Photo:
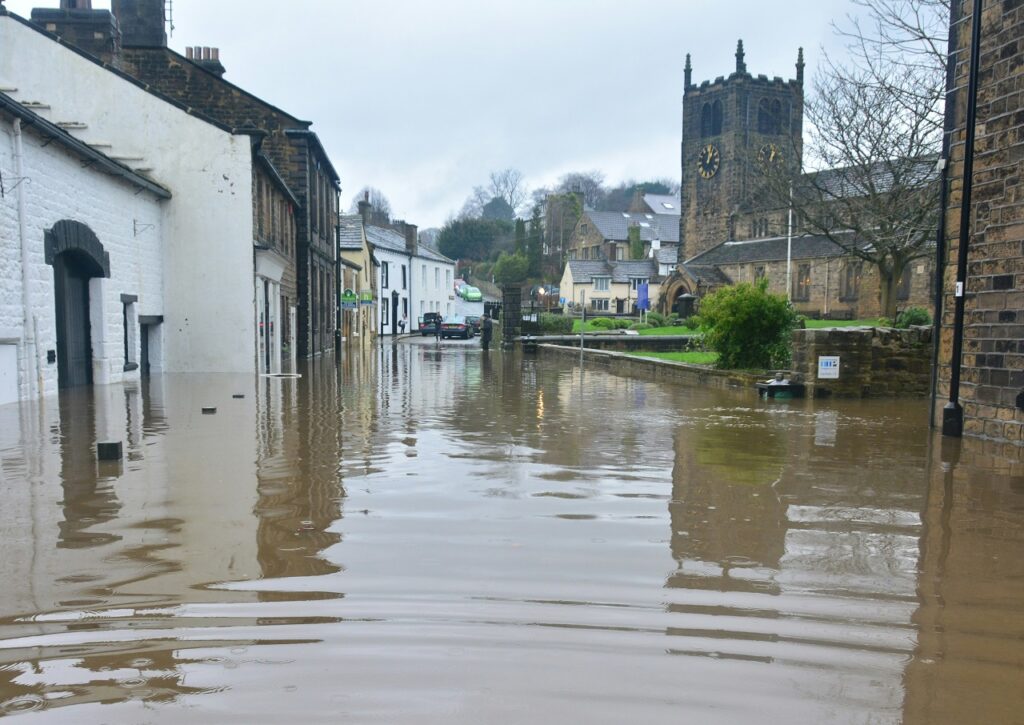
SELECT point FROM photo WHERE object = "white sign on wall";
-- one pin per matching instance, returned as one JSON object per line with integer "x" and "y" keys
{"x": 828, "y": 367}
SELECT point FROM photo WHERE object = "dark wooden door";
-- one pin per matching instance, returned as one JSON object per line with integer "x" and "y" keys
{"x": 144, "y": 358}
{"x": 394, "y": 313}
{"x": 74, "y": 344}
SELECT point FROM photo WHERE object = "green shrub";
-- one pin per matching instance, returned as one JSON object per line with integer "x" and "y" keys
{"x": 747, "y": 326}
{"x": 673, "y": 319}
{"x": 913, "y": 316}
{"x": 511, "y": 268}
{"x": 555, "y": 324}
{"x": 641, "y": 326}
{"x": 621, "y": 324}
{"x": 656, "y": 319}
{"x": 602, "y": 323}
{"x": 692, "y": 322}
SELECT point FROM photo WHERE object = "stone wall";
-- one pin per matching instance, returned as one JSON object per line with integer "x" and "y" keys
{"x": 992, "y": 382}
{"x": 659, "y": 370}
{"x": 647, "y": 343}
{"x": 873, "y": 362}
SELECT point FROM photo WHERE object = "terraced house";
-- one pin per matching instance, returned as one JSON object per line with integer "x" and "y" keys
{"x": 133, "y": 39}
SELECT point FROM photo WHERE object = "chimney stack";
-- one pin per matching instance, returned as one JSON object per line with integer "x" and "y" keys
{"x": 94, "y": 31}
{"x": 143, "y": 22}
{"x": 207, "y": 58}
{"x": 364, "y": 208}
{"x": 411, "y": 238}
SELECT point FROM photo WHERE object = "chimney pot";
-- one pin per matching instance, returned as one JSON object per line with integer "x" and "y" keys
{"x": 216, "y": 53}
{"x": 188, "y": 53}
{"x": 206, "y": 53}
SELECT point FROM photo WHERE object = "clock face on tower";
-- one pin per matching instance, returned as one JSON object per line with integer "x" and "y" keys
{"x": 708, "y": 161}
{"x": 769, "y": 154}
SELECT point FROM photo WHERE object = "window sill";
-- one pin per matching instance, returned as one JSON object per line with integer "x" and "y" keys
{"x": 128, "y": 367}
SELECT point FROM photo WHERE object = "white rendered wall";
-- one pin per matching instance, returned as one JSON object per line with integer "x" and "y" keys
{"x": 394, "y": 260}
{"x": 59, "y": 188}
{"x": 208, "y": 272}
{"x": 435, "y": 297}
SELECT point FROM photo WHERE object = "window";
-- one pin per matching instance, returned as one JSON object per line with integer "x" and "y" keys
{"x": 758, "y": 272}
{"x": 448, "y": 279}
{"x": 384, "y": 316}
{"x": 637, "y": 281}
{"x": 599, "y": 305}
{"x": 584, "y": 229}
{"x": 130, "y": 317}
{"x": 405, "y": 307}
{"x": 903, "y": 285}
{"x": 403, "y": 277}
{"x": 383, "y": 275}
{"x": 601, "y": 284}
{"x": 711, "y": 119}
{"x": 424, "y": 276}
{"x": 448, "y": 310}
{"x": 769, "y": 117}
{"x": 849, "y": 280}
{"x": 802, "y": 283}
{"x": 620, "y": 253}
{"x": 421, "y": 308}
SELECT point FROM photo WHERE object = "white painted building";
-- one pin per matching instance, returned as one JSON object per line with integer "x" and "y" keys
{"x": 208, "y": 310}
{"x": 81, "y": 268}
{"x": 412, "y": 279}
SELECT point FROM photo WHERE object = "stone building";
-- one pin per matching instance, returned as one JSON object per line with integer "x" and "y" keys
{"x": 138, "y": 46}
{"x": 991, "y": 391}
{"x": 731, "y": 228}
{"x": 359, "y": 324}
{"x": 605, "y": 234}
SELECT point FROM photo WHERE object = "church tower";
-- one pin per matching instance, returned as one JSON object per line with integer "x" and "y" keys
{"x": 732, "y": 128}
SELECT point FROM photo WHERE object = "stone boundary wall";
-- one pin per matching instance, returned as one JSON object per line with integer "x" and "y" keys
{"x": 660, "y": 370}
{"x": 873, "y": 361}
{"x": 650, "y": 343}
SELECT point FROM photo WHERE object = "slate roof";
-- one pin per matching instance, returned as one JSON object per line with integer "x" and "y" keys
{"x": 350, "y": 232}
{"x": 852, "y": 181}
{"x": 663, "y": 204}
{"x": 668, "y": 254}
{"x": 389, "y": 239}
{"x": 615, "y": 225}
{"x": 584, "y": 271}
{"x": 772, "y": 249}
{"x": 708, "y": 275}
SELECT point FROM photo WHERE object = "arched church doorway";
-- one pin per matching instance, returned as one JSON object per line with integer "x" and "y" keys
{"x": 76, "y": 256}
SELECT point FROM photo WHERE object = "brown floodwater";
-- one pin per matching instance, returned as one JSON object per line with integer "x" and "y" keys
{"x": 419, "y": 535}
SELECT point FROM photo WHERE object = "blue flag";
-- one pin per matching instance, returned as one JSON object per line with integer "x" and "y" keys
{"x": 643, "y": 302}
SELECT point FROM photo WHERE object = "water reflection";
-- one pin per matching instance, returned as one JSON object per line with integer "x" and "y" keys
{"x": 430, "y": 534}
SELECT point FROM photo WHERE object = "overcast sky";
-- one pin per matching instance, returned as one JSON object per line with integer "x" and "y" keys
{"x": 424, "y": 99}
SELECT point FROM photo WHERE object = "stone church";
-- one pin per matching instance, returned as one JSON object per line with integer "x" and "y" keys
{"x": 730, "y": 229}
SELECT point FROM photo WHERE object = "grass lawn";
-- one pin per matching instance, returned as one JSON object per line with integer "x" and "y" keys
{"x": 818, "y": 324}
{"x": 694, "y": 358}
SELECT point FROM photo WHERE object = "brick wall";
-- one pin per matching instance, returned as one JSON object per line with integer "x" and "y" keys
{"x": 873, "y": 362}
{"x": 992, "y": 380}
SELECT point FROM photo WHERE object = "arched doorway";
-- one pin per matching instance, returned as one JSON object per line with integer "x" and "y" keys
{"x": 76, "y": 256}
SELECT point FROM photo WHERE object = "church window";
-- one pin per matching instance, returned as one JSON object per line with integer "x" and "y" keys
{"x": 776, "y": 117}
{"x": 711, "y": 119}
{"x": 769, "y": 116}
{"x": 802, "y": 283}
{"x": 849, "y": 280}
{"x": 758, "y": 272}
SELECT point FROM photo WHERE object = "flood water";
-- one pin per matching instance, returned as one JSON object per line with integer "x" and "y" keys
{"x": 437, "y": 536}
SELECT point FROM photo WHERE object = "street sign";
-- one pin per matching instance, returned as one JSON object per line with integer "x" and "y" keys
{"x": 828, "y": 367}
{"x": 349, "y": 300}
{"x": 366, "y": 297}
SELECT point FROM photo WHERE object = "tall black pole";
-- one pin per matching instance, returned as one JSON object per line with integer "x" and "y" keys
{"x": 953, "y": 413}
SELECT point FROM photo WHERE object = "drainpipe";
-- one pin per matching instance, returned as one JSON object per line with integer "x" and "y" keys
{"x": 953, "y": 413}
{"x": 940, "y": 246}
{"x": 28, "y": 323}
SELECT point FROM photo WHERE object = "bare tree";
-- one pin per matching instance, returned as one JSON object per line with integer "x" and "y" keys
{"x": 876, "y": 193}
{"x": 508, "y": 184}
{"x": 378, "y": 201}
{"x": 588, "y": 183}
{"x": 474, "y": 205}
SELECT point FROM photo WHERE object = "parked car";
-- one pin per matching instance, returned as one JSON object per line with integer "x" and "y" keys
{"x": 426, "y": 323}
{"x": 456, "y": 326}
{"x": 474, "y": 322}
